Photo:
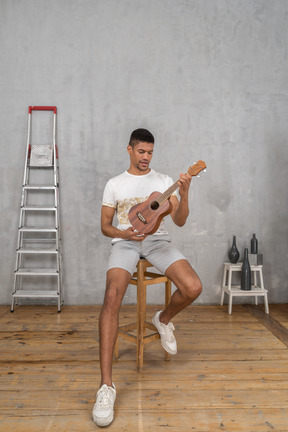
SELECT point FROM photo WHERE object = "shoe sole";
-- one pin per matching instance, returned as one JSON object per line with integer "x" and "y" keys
{"x": 102, "y": 422}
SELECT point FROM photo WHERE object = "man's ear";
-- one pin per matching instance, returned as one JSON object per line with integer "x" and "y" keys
{"x": 129, "y": 149}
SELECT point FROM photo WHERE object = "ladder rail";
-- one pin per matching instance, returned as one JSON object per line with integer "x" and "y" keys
{"x": 55, "y": 153}
{"x": 25, "y": 179}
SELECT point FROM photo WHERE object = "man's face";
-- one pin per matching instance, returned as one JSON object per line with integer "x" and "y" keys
{"x": 140, "y": 156}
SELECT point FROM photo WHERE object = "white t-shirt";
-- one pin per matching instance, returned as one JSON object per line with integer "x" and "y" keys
{"x": 125, "y": 190}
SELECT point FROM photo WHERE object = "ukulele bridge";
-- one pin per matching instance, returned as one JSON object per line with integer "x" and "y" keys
{"x": 141, "y": 218}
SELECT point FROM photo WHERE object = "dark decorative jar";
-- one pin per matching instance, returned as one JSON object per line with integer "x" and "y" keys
{"x": 246, "y": 273}
{"x": 233, "y": 254}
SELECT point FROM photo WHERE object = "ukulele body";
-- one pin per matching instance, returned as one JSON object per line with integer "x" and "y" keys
{"x": 146, "y": 217}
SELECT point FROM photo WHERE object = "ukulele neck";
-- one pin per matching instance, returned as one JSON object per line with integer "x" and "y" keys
{"x": 167, "y": 193}
{"x": 192, "y": 171}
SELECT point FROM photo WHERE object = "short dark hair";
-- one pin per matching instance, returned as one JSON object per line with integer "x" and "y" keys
{"x": 142, "y": 135}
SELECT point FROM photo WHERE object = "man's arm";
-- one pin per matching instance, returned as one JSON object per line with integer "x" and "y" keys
{"x": 180, "y": 210}
{"x": 107, "y": 228}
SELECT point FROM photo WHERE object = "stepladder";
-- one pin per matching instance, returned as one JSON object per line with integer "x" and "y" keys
{"x": 38, "y": 262}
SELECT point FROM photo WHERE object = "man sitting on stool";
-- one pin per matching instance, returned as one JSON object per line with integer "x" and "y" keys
{"x": 120, "y": 194}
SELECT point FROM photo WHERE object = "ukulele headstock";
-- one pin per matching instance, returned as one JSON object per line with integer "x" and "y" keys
{"x": 195, "y": 169}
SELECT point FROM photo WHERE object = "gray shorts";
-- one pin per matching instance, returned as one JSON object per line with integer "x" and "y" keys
{"x": 157, "y": 250}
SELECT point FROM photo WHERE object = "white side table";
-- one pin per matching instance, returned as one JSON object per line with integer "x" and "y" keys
{"x": 235, "y": 290}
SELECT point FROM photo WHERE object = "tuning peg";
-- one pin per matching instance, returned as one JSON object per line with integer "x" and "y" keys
{"x": 198, "y": 175}
{"x": 204, "y": 170}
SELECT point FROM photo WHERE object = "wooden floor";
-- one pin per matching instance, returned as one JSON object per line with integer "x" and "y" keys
{"x": 231, "y": 372}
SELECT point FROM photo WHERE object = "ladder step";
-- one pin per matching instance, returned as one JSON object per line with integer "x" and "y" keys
{"x": 37, "y": 272}
{"x": 37, "y": 251}
{"x": 38, "y": 167}
{"x": 38, "y": 208}
{"x": 36, "y": 294}
{"x": 39, "y": 241}
{"x": 37, "y": 229}
{"x": 39, "y": 187}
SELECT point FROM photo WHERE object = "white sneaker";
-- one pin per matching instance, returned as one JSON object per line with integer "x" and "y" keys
{"x": 168, "y": 340}
{"x": 103, "y": 410}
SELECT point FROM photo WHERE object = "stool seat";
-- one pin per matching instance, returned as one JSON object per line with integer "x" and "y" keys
{"x": 143, "y": 278}
{"x": 235, "y": 290}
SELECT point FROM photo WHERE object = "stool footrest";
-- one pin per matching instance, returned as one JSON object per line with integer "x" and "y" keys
{"x": 150, "y": 326}
{"x": 128, "y": 327}
{"x": 154, "y": 278}
{"x": 255, "y": 290}
{"x": 124, "y": 333}
{"x": 154, "y": 275}
{"x": 128, "y": 336}
{"x": 150, "y": 338}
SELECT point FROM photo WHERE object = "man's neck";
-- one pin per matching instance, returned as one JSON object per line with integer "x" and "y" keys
{"x": 134, "y": 171}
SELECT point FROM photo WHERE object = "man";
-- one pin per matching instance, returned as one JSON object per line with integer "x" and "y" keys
{"x": 120, "y": 194}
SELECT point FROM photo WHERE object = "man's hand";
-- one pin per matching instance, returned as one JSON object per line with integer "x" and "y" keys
{"x": 180, "y": 210}
{"x": 131, "y": 234}
{"x": 184, "y": 184}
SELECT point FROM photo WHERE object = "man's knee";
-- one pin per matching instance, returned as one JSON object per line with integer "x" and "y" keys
{"x": 197, "y": 287}
{"x": 185, "y": 279}
{"x": 114, "y": 294}
{"x": 193, "y": 288}
{"x": 111, "y": 296}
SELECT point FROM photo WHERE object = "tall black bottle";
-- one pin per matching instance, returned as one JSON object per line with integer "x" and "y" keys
{"x": 246, "y": 273}
{"x": 233, "y": 254}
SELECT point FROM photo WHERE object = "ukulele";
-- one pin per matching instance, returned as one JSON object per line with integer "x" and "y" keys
{"x": 147, "y": 216}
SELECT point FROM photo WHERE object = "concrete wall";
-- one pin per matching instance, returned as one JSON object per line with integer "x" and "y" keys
{"x": 208, "y": 77}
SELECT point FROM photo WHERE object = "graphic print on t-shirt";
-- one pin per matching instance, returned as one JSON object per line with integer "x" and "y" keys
{"x": 123, "y": 207}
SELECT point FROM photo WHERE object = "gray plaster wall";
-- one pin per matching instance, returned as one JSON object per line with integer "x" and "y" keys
{"x": 209, "y": 78}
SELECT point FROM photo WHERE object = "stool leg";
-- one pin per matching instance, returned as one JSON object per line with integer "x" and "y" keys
{"x": 230, "y": 304}
{"x": 255, "y": 284}
{"x": 223, "y": 285}
{"x": 116, "y": 349}
{"x": 229, "y": 289}
{"x": 167, "y": 292}
{"x": 265, "y": 295}
{"x": 266, "y": 304}
{"x": 167, "y": 301}
{"x": 141, "y": 314}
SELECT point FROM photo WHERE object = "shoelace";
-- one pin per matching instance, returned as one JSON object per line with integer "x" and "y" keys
{"x": 170, "y": 328}
{"x": 104, "y": 397}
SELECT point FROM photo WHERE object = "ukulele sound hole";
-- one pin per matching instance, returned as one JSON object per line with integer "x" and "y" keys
{"x": 154, "y": 205}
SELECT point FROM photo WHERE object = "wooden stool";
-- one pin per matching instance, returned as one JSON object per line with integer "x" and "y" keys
{"x": 235, "y": 290}
{"x": 141, "y": 279}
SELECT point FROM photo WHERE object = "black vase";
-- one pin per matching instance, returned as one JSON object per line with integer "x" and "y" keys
{"x": 233, "y": 254}
{"x": 246, "y": 273}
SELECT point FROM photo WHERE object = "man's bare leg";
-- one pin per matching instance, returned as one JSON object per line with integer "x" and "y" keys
{"x": 188, "y": 286}
{"x": 116, "y": 285}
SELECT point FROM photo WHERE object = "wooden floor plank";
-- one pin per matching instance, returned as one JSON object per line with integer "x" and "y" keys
{"x": 153, "y": 399}
{"x": 227, "y": 420}
{"x": 274, "y": 326}
{"x": 230, "y": 373}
